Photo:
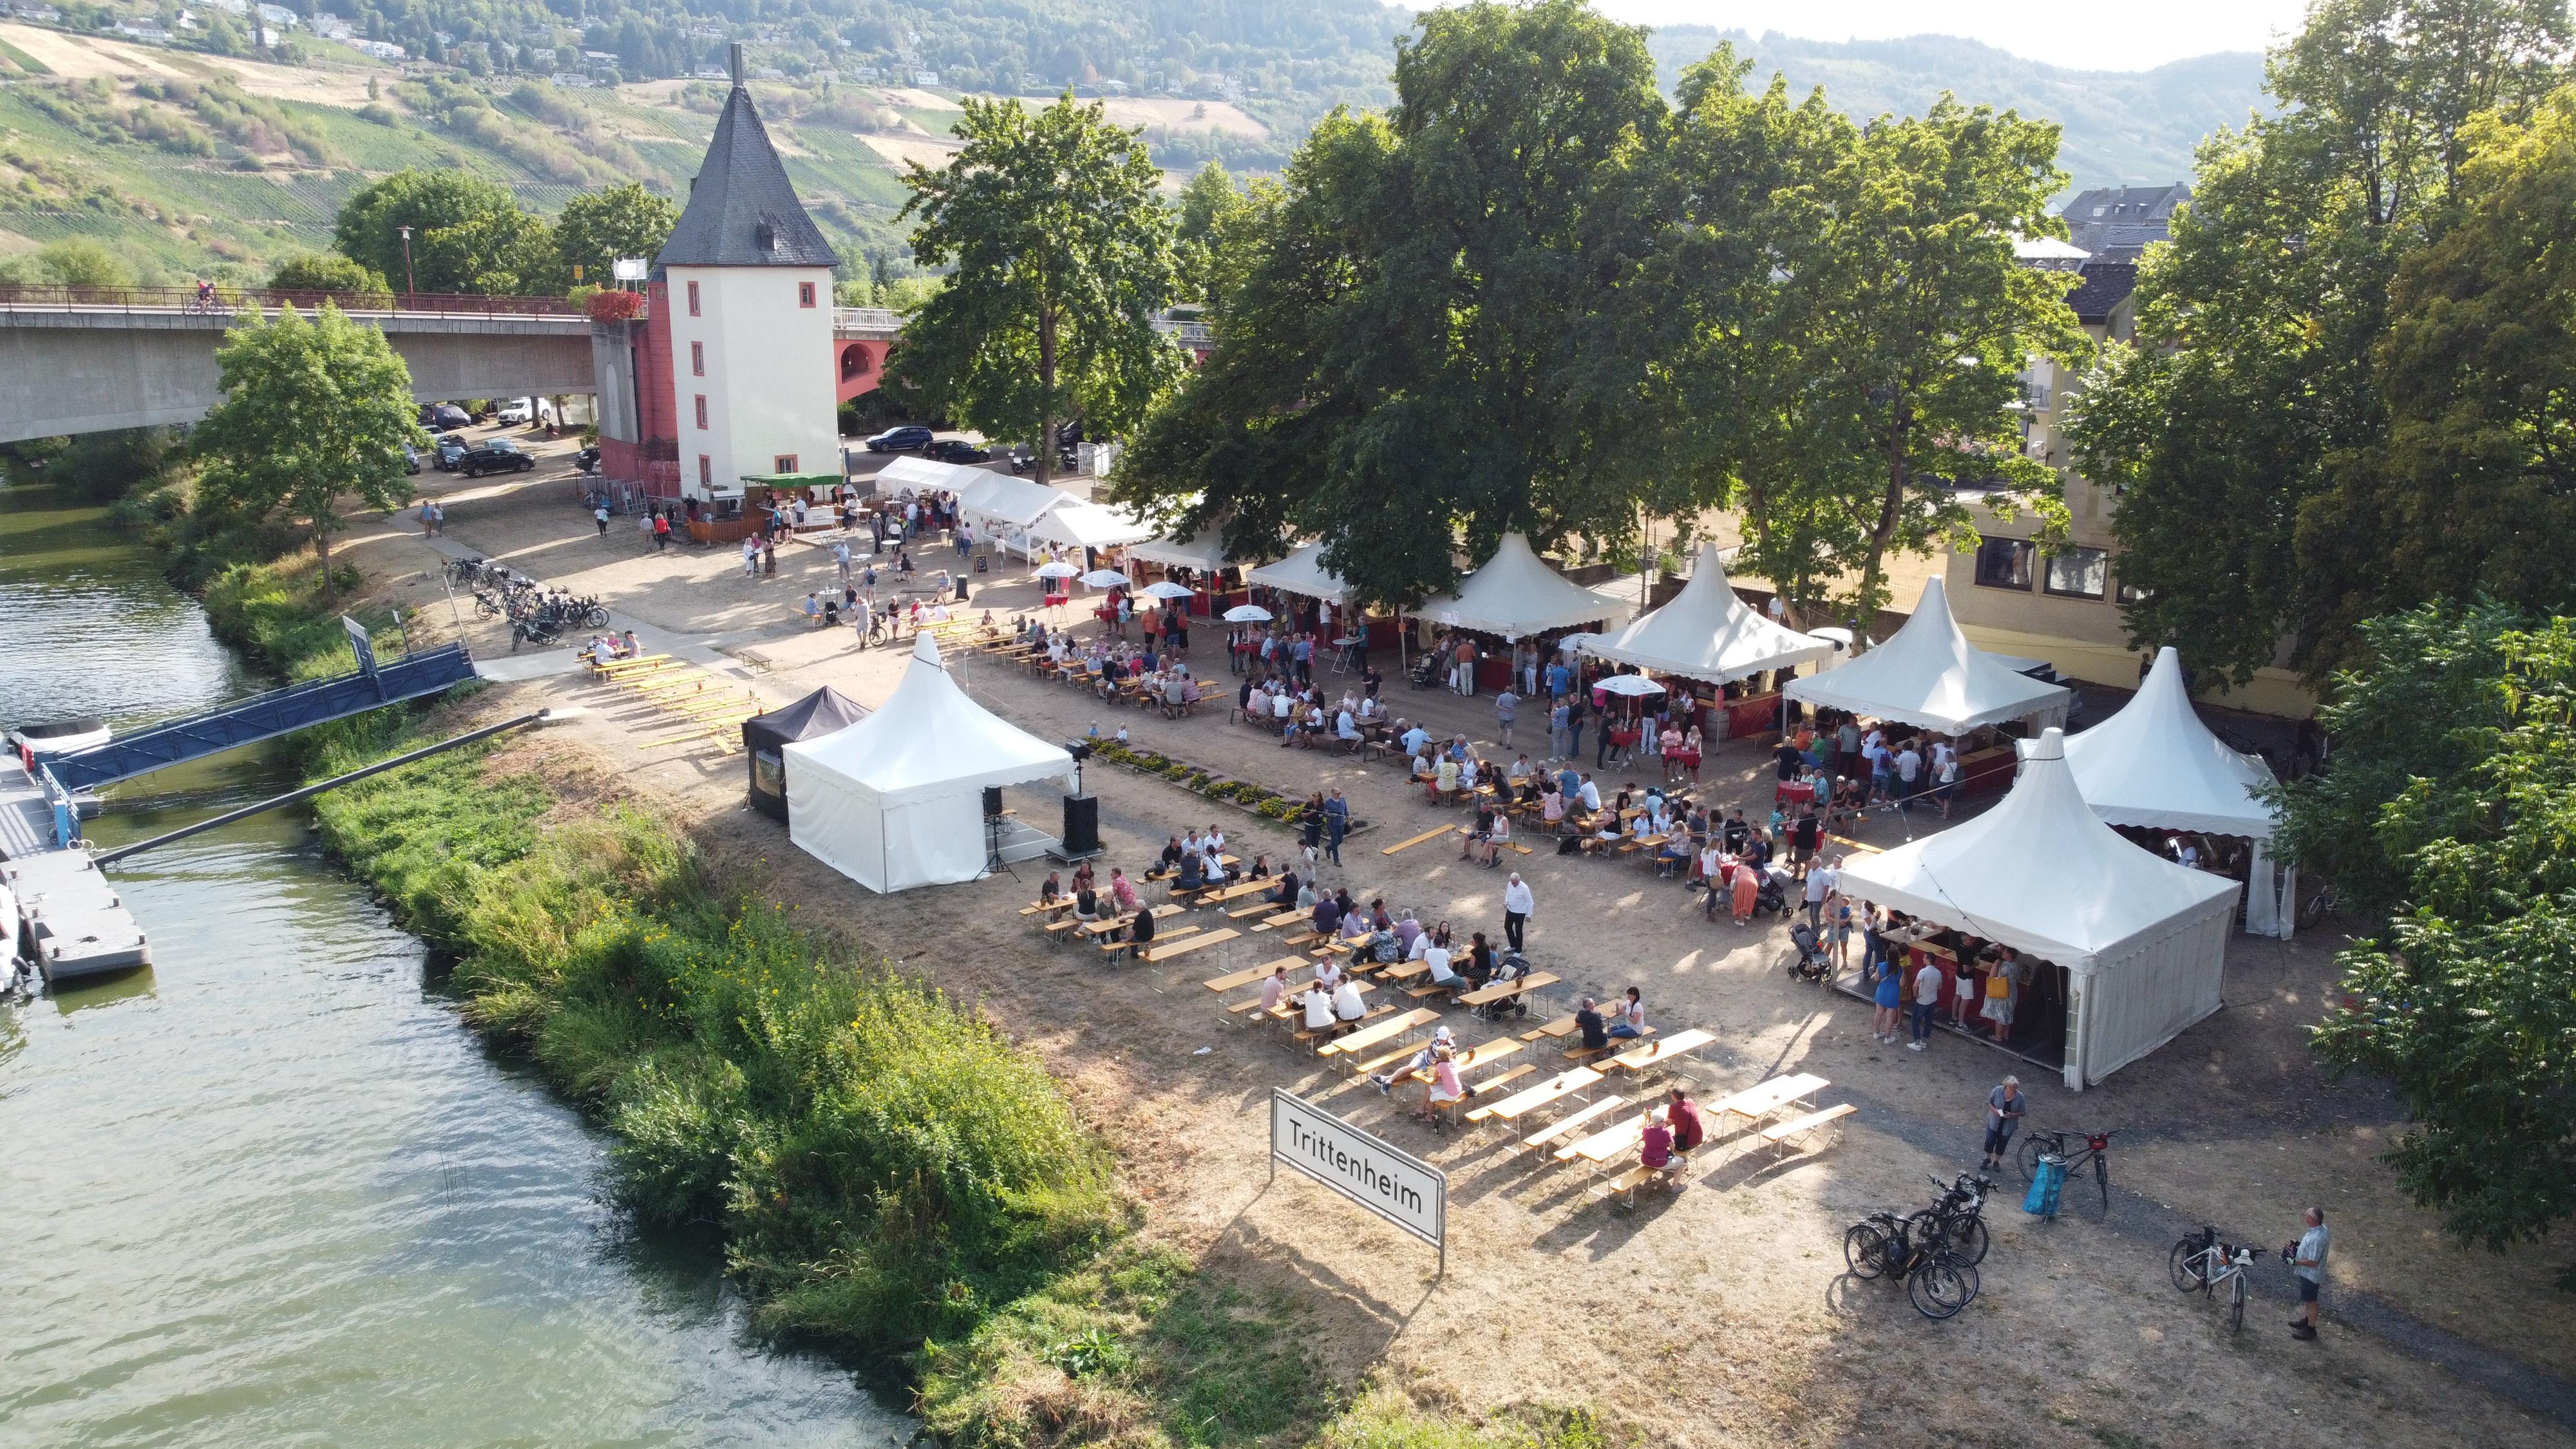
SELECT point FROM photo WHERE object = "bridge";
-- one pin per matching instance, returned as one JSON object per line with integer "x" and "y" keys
{"x": 84, "y": 359}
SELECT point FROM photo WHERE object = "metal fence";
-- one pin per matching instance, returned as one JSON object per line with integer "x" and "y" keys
{"x": 36, "y": 296}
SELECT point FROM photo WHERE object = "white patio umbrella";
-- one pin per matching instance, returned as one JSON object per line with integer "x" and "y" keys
{"x": 1104, "y": 578}
{"x": 1166, "y": 589}
{"x": 1057, "y": 571}
{"x": 1629, "y": 684}
{"x": 1247, "y": 614}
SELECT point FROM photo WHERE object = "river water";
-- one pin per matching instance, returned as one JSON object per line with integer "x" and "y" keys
{"x": 270, "y": 1191}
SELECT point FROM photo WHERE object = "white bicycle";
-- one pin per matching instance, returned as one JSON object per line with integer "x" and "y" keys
{"x": 2200, "y": 1262}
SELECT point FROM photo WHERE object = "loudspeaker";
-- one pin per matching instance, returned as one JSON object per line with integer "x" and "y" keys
{"x": 1081, "y": 825}
{"x": 992, "y": 802}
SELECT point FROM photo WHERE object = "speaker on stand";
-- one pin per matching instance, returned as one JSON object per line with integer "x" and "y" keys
{"x": 993, "y": 823}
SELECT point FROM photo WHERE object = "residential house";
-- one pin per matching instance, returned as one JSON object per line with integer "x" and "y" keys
{"x": 2115, "y": 223}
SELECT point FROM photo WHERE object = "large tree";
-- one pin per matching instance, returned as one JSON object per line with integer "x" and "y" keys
{"x": 2471, "y": 484}
{"x": 596, "y": 228}
{"x": 2259, "y": 325}
{"x": 314, "y": 412}
{"x": 2444, "y": 818}
{"x": 467, "y": 234}
{"x": 1424, "y": 339}
{"x": 1063, "y": 257}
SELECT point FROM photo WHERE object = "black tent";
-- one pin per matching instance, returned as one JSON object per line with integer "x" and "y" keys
{"x": 817, "y": 714}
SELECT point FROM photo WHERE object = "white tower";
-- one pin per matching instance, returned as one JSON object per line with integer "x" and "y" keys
{"x": 749, "y": 281}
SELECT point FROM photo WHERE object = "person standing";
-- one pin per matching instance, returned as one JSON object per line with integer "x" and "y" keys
{"x": 661, "y": 532}
{"x": 1506, "y": 711}
{"x": 2308, "y": 1264}
{"x": 1518, "y": 902}
{"x": 1883, "y": 996}
{"x": 750, "y": 556}
{"x": 1574, "y": 716}
{"x": 1557, "y": 714}
{"x": 601, "y": 514}
{"x": 2004, "y": 1108}
{"x": 1927, "y": 999}
{"x": 1822, "y": 881}
{"x": 1337, "y": 823}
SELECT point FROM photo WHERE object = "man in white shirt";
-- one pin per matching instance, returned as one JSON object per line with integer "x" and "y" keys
{"x": 1517, "y": 905}
{"x": 1821, "y": 883}
{"x": 1590, "y": 795}
{"x": 1347, "y": 1005}
{"x": 1927, "y": 999}
{"x": 1319, "y": 1008}
{"x": 1909, "y": 768}
{"x": 1346, "y": 729}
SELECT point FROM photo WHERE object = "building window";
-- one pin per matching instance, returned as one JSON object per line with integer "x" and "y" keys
{"x": 693, "y": 299}
{"x": 2004, "y": 563}
{"x": 2079, "y": 573}
{"x": 2132, "y": 594}
{"x": 804, "y": 294}
{"x": 702, "y": 427}
{"x": 706, "y": 471}
{"x": 698, "y": 358}
{"x": 783, "y": 463}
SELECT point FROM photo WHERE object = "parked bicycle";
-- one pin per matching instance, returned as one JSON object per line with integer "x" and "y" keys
{"x": 2316, "y": 908}
{"x": 1912, "y": 1247}
{"x": 2200, "y": 1262}
{"x": 2095, "y": 1148}
{"x": 1958, "y": 1216}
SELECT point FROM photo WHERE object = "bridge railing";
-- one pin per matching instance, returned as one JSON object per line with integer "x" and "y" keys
{"x": 43, "y": 296}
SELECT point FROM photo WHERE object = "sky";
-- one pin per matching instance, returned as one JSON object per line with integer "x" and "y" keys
{"x": 2083, "y": 37}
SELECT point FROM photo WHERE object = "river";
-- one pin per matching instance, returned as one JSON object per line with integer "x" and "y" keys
{"x": 270, "y": 1191}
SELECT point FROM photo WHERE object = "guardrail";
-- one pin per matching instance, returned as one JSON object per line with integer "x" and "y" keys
{"x": 52, "y": 297}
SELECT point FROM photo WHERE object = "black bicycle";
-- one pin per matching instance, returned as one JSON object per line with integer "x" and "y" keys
{"x": 1913, "y": 1248}
{"x": 2076, "y": 1148}
{"x": 1958, "y": 1219}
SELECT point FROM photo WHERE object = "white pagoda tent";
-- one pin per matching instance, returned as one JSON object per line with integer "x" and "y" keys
{"x": 925, "y": 475}
{"x": 1515, "y": 594}
{"x": 1301, "y": 573}
{"x": 896, "y": 800}
{"x": 1930, "y": 675}
{"x": 1203, "y": 551}
{"x": 1090, "y": 525}
{"x": 2143, "y": 940}
{"x": 2155, "y": 765}
{"x": 1707, "y": 633}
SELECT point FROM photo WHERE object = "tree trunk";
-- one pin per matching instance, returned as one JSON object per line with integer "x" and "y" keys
{"x": 1891, "y": 508}
{"x": 1046, "y": 386}
{"x": 322, "y": 546}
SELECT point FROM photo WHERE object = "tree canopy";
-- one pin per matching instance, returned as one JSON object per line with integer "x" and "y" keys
{"x": 596, "y": 228}
{"x": 467, "y": 234}
{"x": 2242, "y": 429}
{"x": 327, "y": 272}
{"x": 1063, "y": 257}
{"x": 314, "y": 411}
{"x": 2444, "y": 819}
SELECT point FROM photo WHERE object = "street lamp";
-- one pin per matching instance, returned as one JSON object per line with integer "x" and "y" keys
{"x": 411, "y": 288}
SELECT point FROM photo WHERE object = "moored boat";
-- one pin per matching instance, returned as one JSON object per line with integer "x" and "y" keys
{"x": 60, "y": 737}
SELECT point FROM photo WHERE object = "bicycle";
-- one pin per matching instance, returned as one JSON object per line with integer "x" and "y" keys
{"x": 2319, "y": 906}
{"x": 1936, "y": 1281}
{"x": 2200, "y": 1262}
{"x": 2096, "y": 1149}
{"x": 1959, "y": 1216}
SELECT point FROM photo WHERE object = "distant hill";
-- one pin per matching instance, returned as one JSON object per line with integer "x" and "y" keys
{"x": 2122, "y": 127}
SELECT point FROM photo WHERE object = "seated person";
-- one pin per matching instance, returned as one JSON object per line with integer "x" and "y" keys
{"x": 1329, "y": 972}
{"x": 1632, "y": 1018}
{"x": 1212, "y": 868}
{"x": 1407, "y": 931}
{"x": 1318, "y": 1002}
{"x": 1346, "y": 728}
{"x": 1193, "y": 873}
{"x": 1495, "y": 839}
{"x": 1347, "y": 1005}
{"x": 1656, "y": 1150}
{"x": 1436, "y": 957}
{"x": 1444, "y": 1086}
{"x": 1415, "y": 739}
{"x": 1086, "y": 904}
{"x": 1140, "y": 929}
{"x": 1328, "y": 916}
{"x": 1481, "y": 961}
{"x": 1260, "y": 868}
{"x": 1286, "y": 895}
{"x": 1587, "y": 1022}
{"x": 1440, "y": 1038}
{"x": 1444, "y": 777}
{"x": 1356, "y": 927}
{"x": 1122, "y": 891}
{"x": 1053, "y": 888}
{"x": 1551, "y": 808}
{"x": 1682, "y": 1115}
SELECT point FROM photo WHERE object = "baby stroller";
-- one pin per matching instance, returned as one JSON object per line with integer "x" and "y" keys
{"x": 1426, "y": 671}
{"x": 1770, "y": 897}
{"x": 1812, "y": 964}
{"x": 1508, "y": 967}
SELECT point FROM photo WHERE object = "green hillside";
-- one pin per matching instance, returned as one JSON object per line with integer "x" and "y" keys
{"x": 2132, "y": 127}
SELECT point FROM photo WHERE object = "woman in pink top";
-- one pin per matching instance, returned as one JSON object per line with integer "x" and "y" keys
{"x": 1444, "y": 1085}
{"x": 1657, "y": 1152}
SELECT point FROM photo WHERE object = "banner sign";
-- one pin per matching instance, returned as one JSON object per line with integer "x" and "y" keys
{"x": 1396, "y": 1185}
{"x": 359, "y": 643}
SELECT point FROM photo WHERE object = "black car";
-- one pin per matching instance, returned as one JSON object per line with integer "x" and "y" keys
{"x": 451, "y": 449}
{"x": 900, "y": 440}
{"x": 957, "y": 450}
{"x": 587, "y": 460}
{"x": 496, "y": 455}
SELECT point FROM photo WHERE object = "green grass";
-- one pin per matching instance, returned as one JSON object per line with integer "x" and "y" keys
{"x": 23, "y": 61}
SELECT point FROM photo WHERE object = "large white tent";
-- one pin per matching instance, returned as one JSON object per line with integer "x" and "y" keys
{"x": 2144, "y": 940}
{"x": 1203, "y": 550}
{"x": 2157, "y": 766}
{"x": 1302, "y": 573}
{"x": 1090, "y": 525}
{"x": 1004, "y": 508}
{"x": 925, "y": 475}
{"x": 1707, "y": 633}
{"x": 896, "y": 800}
{"x": 1514, "y": 594}
{"x": 1930, "y": 675}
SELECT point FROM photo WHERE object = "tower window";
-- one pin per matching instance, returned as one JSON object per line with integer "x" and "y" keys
{"x": 782, "y": 463}
{"x": 693, "y": 299}
{"x": 804, "y": 294}
{"x": 702, "y": 412}
{"x": 698, "y": 358}
{"x": 706, "y": 471}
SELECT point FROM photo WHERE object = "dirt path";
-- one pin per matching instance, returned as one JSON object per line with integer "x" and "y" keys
{"x": 1719, "y": 1313}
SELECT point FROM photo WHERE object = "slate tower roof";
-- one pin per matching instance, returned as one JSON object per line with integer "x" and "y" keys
{"x": 742, "y": 209}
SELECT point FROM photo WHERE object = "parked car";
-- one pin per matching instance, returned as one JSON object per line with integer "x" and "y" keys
{"x": 441, "y": 417}
{"x": 494, "y": 455}
{"x": 900, "y": 440}
{"x": 516, "y": 414}
{"x": 956, "y": 450}
{"x": 451, "y": 449}
{"x": 411, "y": 459}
